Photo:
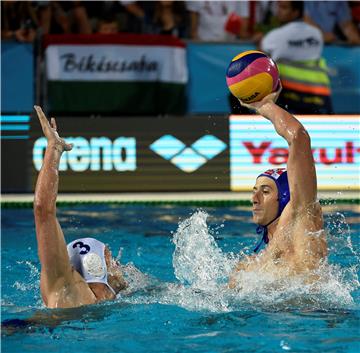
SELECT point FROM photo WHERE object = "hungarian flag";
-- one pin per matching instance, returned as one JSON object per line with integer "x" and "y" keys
{"x": 125, "y": 74}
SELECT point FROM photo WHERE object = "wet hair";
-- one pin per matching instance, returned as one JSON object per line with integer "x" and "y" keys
{"x": 298, "y": 6}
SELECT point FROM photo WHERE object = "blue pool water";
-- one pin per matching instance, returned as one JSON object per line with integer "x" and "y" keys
{"x": 177, "y": 259}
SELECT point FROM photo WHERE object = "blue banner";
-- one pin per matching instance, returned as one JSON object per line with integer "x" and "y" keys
{"x": 343, "y": 63}
{"x": 208, "y": 93}
{"x": 17, "y": 78}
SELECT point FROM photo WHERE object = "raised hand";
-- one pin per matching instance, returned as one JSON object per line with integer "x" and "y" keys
{"x": 272, "y": 97}
{"x": 50, "y": 131}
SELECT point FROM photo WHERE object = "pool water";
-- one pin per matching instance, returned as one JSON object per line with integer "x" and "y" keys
{"x": 177, "y": 260}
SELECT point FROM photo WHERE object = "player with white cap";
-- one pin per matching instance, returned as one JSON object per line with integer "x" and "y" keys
{"x": 83, "y": 272}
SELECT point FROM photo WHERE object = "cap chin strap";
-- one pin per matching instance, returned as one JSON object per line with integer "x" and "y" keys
{"x": 264, "y": 230}
{"x": 111, "y": 289}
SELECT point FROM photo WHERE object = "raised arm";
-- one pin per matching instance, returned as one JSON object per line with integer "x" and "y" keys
{"x": 300, "y": 165}
{"x": 55, "y": 265}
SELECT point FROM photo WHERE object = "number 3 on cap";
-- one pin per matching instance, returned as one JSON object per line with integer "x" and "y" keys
{"x": 85, "y": 248}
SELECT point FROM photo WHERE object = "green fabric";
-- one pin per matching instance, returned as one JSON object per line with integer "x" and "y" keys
{"x": 311, "y": 74}
{"x": 129, "y": 98}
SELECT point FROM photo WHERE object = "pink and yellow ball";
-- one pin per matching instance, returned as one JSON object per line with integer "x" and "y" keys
{"x": 251, "y": 76}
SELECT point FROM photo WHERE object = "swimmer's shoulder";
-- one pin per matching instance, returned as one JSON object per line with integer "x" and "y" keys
{"x": 70, "y": 292}
{"x": 310, "y": 213}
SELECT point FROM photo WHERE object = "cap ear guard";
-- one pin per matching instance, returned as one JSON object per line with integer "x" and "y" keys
{"x": 280, "y": 178}
{"x": 283, "y": 190}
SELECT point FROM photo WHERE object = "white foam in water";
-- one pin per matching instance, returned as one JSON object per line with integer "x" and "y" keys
{"x": 34, "y": 280}
{"x": 135, "y": 279}
{"x": 203, "y": 270}
{"x": 200, "y": 266}
{"x": 32, "y": 284}
{"x": 339, "y": 234}
{"x": 197, "y": 259}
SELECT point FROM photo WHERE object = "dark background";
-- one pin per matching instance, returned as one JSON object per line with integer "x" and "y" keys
{"x": 153, "y": 173}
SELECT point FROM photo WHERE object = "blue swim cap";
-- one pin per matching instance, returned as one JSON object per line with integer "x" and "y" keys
{"x": 280, "y": 177}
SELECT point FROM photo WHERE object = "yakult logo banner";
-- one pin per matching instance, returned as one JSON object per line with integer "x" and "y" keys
{"x": 255, "y": 147}
{"x": 116, "y": 74}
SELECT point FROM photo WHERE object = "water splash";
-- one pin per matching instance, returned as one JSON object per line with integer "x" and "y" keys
{"x": 339, "y": 234}
{"x": 135, "y": 279}
{"x": 203, "y": 270}
{"x": 30, "y": 285}
{"x": 33, "y": 280}
{"x": 197, "y": 259}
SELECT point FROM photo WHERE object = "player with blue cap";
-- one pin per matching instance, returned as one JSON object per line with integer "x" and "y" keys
{"x": 279, "y": 176}
{"x": 285, "y": 205}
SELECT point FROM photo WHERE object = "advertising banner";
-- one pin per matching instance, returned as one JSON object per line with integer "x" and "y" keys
{"x": 139, "y": 154}
{"x": 15, "y": 169}
{"x": 255, "y": 147}
{"x": 17, "y": 77}
{"x": 123, "y": 74}
{"x": 175, "y": 154}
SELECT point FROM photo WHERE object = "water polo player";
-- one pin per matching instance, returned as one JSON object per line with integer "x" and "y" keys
{"x": 83, "y": 272}
{"x": 285, "y": 205}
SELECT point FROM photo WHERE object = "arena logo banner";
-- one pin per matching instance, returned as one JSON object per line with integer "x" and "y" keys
{"x": 191, "y": 158}
{"x": 140, "y": 154}
{"x": 122, "y": 74}
{"x": 95, "y": 154}
{"x": 255, "y": 147}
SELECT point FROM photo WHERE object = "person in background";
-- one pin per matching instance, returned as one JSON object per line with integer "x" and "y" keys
{"x": 262, "y": 19}
{"x": 334, "y": 20}
{"x": 139, "y": 16}
{"x": 218, "y": 20}
{"x": 107, "y": 24}
{"x": 80, "y": 19}
{"x": 170, "y": 18}
{"x": 58, "y": 17}
{"x": 355, "y": 13}
{"x": 19, "y": 21}
{"x": 82, "y": 272}
{"x": 296, "y": 47}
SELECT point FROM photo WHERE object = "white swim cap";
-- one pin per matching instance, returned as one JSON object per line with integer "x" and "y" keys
{"x": 93, "y": 265}
{"x": 87, "y": 255}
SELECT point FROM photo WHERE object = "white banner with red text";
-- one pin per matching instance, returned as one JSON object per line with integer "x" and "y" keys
{"x": 255, "y": 147}
{"x": 116, "y": 74}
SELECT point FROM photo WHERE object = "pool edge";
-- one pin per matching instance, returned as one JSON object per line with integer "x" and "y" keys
{"x": 179, "y": 198}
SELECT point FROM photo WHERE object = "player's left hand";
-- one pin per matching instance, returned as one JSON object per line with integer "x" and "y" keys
{"x": 50, "y": 131}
